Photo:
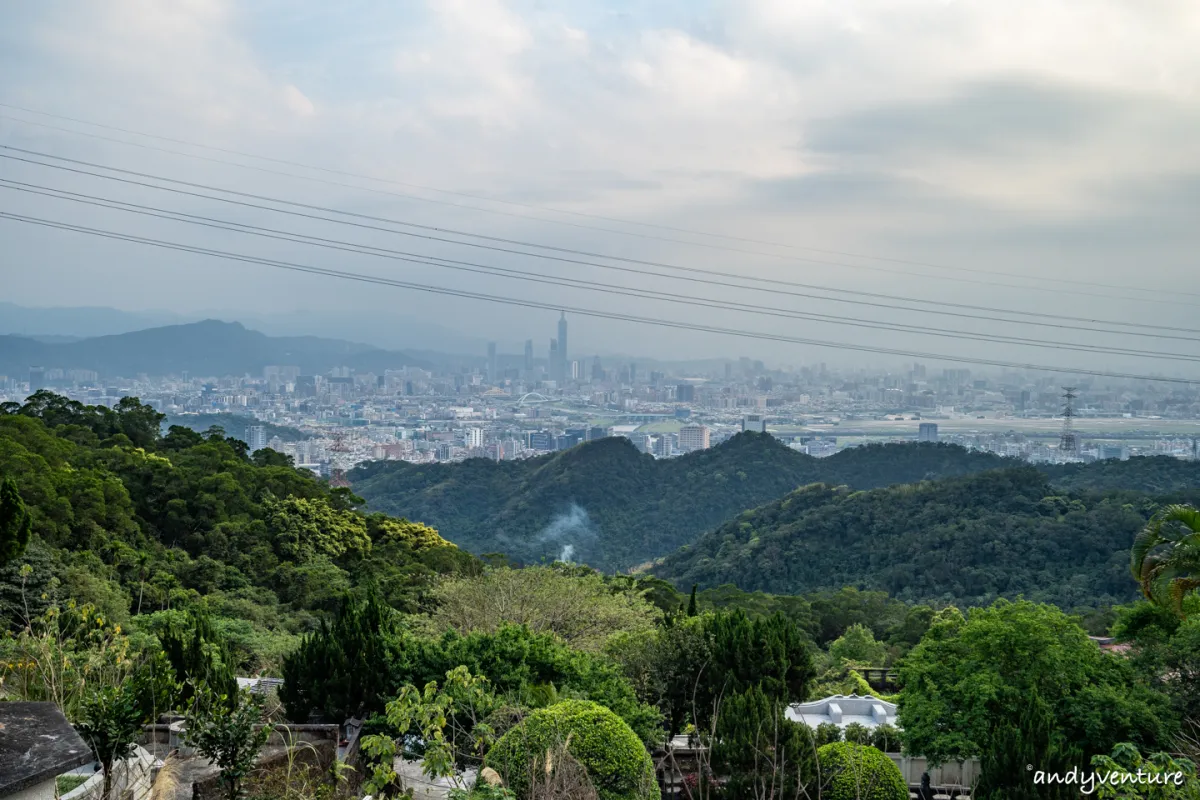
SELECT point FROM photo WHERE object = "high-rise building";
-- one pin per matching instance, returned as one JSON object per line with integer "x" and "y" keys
{"x": 493, "y": 372}
{"x": 632, "y": 374}
{"x": 597, "y": 370}
{"x": 662, "y": 446}
{"x": 474, "y": 437}
{"x": 693, "y": 437}
{"x": 37, "y": 379}
{"x": 556, "y": 367}
{"x": 685, "y": 393}
{"x": 754, "y": 422}
{"x": 927, "y": 432}
{"x": 563, "y": 352}
{"x": 256, "y": 437}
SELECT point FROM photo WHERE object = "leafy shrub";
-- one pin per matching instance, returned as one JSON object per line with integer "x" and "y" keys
{"x": 886, "y": 738}
{"x": 827, "y": 733}
{"x": 857, "y": 733}
{"x": 856, "y": 772}
{"x": 616, "y": 762}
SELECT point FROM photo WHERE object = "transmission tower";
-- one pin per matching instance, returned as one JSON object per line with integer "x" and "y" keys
{"x": 1068, "y": 444}
{"x": 337, "y": 464}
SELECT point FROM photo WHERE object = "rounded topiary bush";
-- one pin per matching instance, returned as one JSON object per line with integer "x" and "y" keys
{"x": 859, "y": 772}
{"x": 616, "y": 762}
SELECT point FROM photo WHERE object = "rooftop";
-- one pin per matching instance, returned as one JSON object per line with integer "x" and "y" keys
{"x": 841, "y": 710}
{"x": 36, "y": 745}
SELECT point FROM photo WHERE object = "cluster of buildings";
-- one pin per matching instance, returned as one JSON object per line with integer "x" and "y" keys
{"x": 505, "y": 406}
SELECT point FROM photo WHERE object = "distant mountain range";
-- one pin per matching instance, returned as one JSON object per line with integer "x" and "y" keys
{"x": 208, "y": 348}
{"x": 383, "y": 331}
{"x": 606, "y": 504}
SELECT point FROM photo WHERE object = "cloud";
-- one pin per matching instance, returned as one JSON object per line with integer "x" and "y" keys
{"x": 910, "y": 128}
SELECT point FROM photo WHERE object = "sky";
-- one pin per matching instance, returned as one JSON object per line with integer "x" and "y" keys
{"x": 1033, "y": 155}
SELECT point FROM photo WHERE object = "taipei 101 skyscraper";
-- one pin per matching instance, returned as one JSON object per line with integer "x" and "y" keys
{"x": 564, "y": 361}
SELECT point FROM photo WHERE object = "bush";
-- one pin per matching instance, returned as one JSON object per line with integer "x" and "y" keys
{"x": 827, "y": 733}
{"x": 616, "y": 762}
{"x": 886, "y": 738}
{"x": 855, "y": 772}
{"x": 857, "y": 733}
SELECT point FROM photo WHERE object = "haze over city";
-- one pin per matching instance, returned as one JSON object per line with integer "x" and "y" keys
{"x": 1029, "y": 157}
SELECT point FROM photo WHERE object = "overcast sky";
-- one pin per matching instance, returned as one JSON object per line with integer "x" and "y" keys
{"x": 1042, "y": 139}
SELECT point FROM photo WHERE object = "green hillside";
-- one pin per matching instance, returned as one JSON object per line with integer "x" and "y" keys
{"x": 135, "y": 521}
{"x": 616, "y": 507}
{"x": 964, "y": 540}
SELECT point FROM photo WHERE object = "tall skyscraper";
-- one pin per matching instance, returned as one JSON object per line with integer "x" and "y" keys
{"x": 927, "y": 432}
{"x": 556, "y": 366}
{"x": 563, "y": 352}
{"x": 256, "y": 437}
{"x": 37, "y": 379}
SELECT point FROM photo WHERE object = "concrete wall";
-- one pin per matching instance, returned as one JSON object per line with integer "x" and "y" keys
{"x": 43, "y": 791}
{"x": 953, "y": 774}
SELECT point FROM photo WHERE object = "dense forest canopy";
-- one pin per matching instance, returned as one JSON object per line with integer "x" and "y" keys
{"x": 964, "y": 540}
{"x": 617, "y": 508}
{"x": 130, "y": 519}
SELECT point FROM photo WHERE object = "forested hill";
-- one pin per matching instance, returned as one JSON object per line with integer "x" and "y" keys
{"x": 130, "y": 519}
{"x": 616, "y": 507}
{"x": 235, "y": 426}
{"x": 965, "y": 540}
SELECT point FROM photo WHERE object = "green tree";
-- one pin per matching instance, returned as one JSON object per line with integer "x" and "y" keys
{"x": 1016, "y": 680}
{"x": 110, "y": 721}
{"x": 228, "y": 731}
{"x": 858, "y": 646}
{"x": 581, "y": 609}
{"x": 347, "y": 667}
{"x": 200, "y": 658}
{"x": 16, "y": 523}
{"x": 691, "y": 609}
{"x": 1159, "y": 776}
{"x": 759, "y": 752}
{"x": 1165, "y": 558}
{"x": 770, "y": 653}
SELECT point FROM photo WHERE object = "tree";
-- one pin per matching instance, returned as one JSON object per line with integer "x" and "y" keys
{"x": 227, "y": 730}
{"x": 1159, "y": 776}
{"x": 1165, "y": 558}
{"x": 200, "y": 657}
{"x": 1015, "y": 680}
{"x": 16, "y": 524}
{"x": 858, "y": 646}
{"x": 346, "y": 667}
{"x": 582, "y": 610}
{"x": 770, "y": 653}
{"x": 759, "y": 752}
{"x": 110, "y": 722}
{"x": 691, "y": 609}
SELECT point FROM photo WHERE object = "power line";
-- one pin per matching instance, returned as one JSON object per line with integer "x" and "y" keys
{"x": 429, "y": 237}
{"x": 558, "y": 307}
{"x": 742, "y": 251}
{"x": 418, "y": 258}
